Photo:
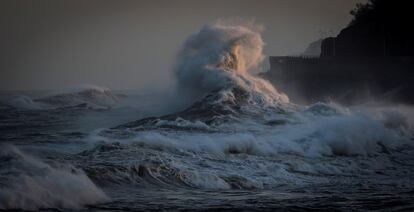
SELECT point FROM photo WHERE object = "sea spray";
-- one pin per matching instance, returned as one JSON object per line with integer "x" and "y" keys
{"x": 222, "y": 56}
{"x": 30, "y": 184}
{"x": 82, "y": 96}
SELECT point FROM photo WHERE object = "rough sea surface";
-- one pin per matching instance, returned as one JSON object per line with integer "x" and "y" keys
{"x": 89, "y": 159}
{"x": 235, "y": 143}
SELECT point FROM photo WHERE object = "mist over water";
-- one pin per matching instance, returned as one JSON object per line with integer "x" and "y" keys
{"x": 239, "y": 140}
{"x": 223, "y": 56}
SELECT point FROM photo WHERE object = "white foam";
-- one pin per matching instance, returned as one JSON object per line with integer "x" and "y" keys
{"x": 30, "y": 184}
{"x": 222, "y": 56}
{"x": 23, "y": 103}
{"x": 94, "y": 97}
{"x": 270, "y": 134}
{"x": 313, "y": 136}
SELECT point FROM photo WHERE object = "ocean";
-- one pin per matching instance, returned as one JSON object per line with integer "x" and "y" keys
{"x": 223, "y": 140}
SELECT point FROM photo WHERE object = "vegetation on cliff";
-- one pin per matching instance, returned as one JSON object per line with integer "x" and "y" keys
{"x": 379, "y": 28}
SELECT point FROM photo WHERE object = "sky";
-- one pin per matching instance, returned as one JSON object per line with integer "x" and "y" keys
{"x": 54, "y": 44}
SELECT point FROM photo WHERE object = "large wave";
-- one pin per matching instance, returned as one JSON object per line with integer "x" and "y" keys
{"x": 218, "y": 63}
{"x": 86, "y": 95}
{"x": 22, "y": 102}
{"x": 215, "y": 70}
{"x": 82, "y": 96}
{"x": 238, "y": 133}
{"x": 222, "y": 58}
{"x": 30, "y": 184}
{"x": 244, "y": 124}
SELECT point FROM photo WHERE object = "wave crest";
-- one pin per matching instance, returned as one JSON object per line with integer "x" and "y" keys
{"x": 224, "y": 57}
{"x": 30, "y": 184}
{"x": 88, "y": 96}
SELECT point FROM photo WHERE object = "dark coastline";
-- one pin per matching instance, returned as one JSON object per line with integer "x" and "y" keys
{"x": 347, "y": 80}
{"x": 371, "y": 59}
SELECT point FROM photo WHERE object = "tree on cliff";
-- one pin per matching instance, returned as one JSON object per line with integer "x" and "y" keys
{"x": 383, "y": 11}
{"x": 379, "y": 28}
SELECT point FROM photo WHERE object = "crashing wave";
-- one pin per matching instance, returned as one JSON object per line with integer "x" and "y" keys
{"x": 218, "y": 63}
{"x": 243, "y": 133}
{"x": 221, "y": 59}
{"x": 23, "y": 103}
{"x": 87, "y": 96}
{"x": 243, "y": 160}
{"x": 30, "y": 184}
{"x": 81, "y": 97}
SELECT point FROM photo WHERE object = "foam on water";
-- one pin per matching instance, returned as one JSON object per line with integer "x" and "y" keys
{"x": 239, "y": 132}
{"x": 309, "y": 135}
{"x": 218, "y": 62}
{"x": 241, "y": 119}
{"x": 23, "y": 103}
{"x": 30, "y": 184}
{"x": 85, "y": 96}
{"x": 89, "y": 95}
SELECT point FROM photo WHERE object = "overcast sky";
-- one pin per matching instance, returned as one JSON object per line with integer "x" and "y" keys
{"x": 132, "y": 44}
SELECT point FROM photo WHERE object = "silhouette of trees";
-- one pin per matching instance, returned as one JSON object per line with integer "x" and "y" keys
{"x": 362, "y": 11}
{"x": 379, "y": 28}
{"x": 399, "y": 12}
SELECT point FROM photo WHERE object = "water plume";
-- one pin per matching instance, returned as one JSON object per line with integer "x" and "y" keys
{"x": 222, "y": 56}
